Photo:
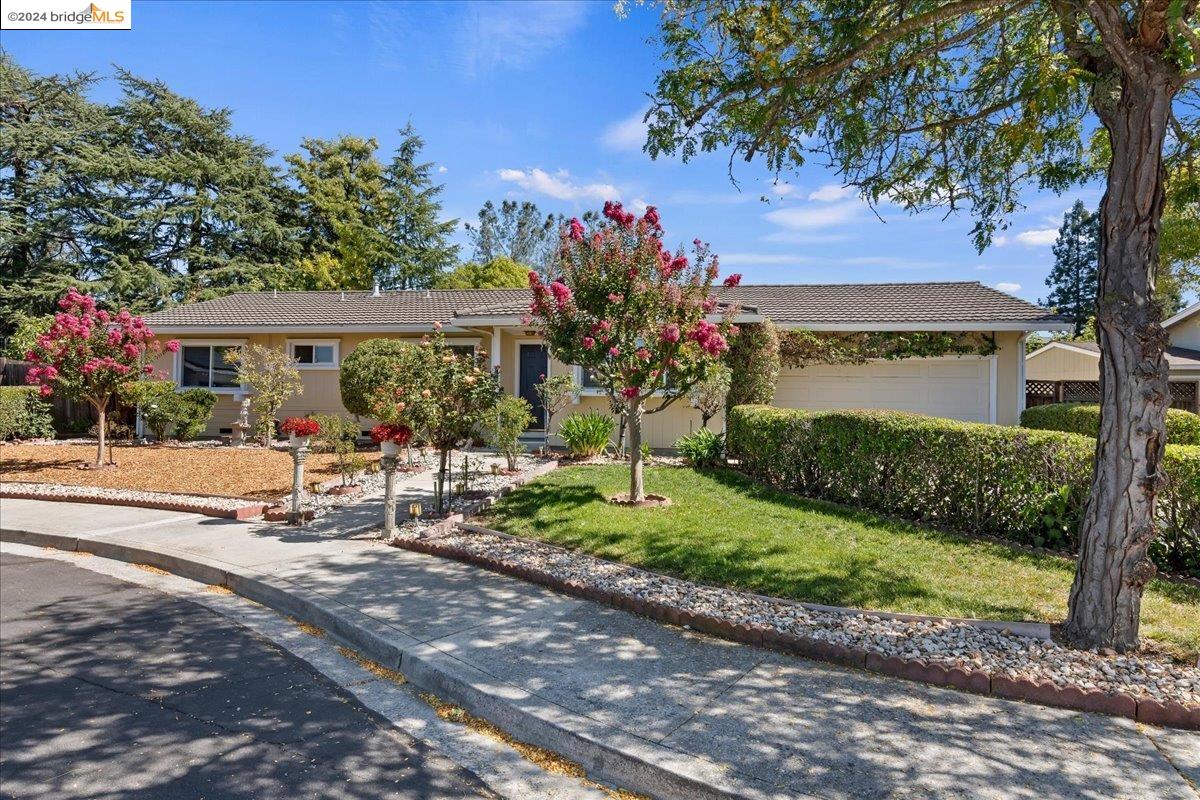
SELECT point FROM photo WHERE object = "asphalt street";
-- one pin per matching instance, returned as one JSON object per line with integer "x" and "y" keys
{"x": 110, "y": 690}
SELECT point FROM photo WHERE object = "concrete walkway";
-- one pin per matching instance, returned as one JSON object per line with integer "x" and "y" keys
{"x": 656, "y": 709}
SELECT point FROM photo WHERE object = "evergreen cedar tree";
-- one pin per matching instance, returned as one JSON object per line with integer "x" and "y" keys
{"x": 90, "y": 354}
{"x": 961, "y": 103}
{"x": 634, "y": 314}
{"x": 1074, "y": 277}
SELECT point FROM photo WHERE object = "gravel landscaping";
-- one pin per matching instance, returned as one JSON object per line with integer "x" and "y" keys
{"x": 950, "y": 644}
{"x": 50, "y": 491}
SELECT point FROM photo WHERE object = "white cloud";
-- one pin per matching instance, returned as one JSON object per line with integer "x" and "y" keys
{"x": 1000, "y": 241}
{"x": 510, "y": 34}
{"x": 558, "y": 185}
{"x": 832, "y": 192}
{"x": 750, "y": 259}
{"x": 809, "y": 217}
{"x": 1038, "y": 237}
{"x": 1008, "y": 287}
{"x": 441, "y": 169}
{"x": 639, "y": 205}
{"x": 628, "y": 134}
{"x": 782, "y": 189}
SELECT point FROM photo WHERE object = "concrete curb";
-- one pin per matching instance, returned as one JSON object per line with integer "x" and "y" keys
{"x": 253, "y": 508}
{"x": 1119, "y": 704}
{"x": 606, "y": 753}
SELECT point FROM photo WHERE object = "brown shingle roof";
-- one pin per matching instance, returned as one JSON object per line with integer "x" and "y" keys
{"x": 348, "y": 309}
{"x": 815, "y": 304}
{"x": 881, "y": 303}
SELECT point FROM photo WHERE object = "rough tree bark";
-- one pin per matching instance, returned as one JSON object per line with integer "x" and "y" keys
{"x": 101, "y": 408}
{"x": 637, "y": 486}
{"x": 1118, "y": 521}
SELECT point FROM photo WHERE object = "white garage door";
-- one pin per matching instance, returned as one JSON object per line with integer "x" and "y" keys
{"x": 958, "y": 388}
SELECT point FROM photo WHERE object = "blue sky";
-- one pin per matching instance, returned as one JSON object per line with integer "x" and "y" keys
{"x": 538, "y": 101}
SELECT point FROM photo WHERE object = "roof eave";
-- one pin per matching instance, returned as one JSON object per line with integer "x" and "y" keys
{"x": 181, "y": 329}
{"x": 974, "y": 325}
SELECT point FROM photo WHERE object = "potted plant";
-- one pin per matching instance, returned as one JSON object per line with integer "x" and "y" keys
{"x": 390, "y": 438}
{"x": 300, "y": 430}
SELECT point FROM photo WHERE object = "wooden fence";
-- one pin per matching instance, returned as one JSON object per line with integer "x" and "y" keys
{"x": 1039, "y": 393}
{"x": 70, "y": 417}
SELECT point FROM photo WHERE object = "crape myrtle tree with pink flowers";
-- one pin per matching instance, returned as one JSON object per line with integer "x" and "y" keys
{"x": 639, "y": 317}
{"x": 89, "y": 354}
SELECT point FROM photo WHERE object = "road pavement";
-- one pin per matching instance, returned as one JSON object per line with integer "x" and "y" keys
{"x": 112, "y": 690}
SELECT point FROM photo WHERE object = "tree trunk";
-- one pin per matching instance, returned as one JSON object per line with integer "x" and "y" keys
{"x": 101, "y": 426}
{"x": 1118, "y": 520}
{"x": 512, "y": 460}
{"x": 440, "y": 489}
{"x": 637, "y": 487}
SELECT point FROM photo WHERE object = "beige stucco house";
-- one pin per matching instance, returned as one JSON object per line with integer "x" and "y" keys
{"x": 321, "y": 328}
{"x": 1066, "y": 361}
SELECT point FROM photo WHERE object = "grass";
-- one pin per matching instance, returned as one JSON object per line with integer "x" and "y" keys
{"x": 250, "y": 472}
{"x": 725, "y": 529}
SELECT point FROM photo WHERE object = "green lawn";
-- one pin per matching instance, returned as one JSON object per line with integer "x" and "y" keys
{"x": 725, "y": 529}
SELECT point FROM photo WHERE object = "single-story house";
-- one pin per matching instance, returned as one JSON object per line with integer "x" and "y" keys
{"x": 319, "y": 328}
{"x": 1074, "y": 367}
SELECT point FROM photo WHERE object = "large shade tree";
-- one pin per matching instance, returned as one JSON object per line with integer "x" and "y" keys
{"x": 640, "y": 318}
{"x": 962, "y": 103}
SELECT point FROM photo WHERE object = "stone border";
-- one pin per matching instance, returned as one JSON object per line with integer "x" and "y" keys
{"x": 1119, "y": 704}
{"x": 448, "y": 525}
{"x": 251, "y": 509}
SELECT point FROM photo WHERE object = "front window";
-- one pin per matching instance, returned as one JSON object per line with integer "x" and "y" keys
{"x": 588, "y": 379}
{"x": 205, "y": 367}
{"x": 461, "y": 350}
{"x": 315, "y": 354}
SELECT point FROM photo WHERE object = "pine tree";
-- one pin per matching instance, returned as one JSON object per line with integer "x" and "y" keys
{"x": 421, "y": 250}
{"x": 49, "y": 130}
{"x": 343, "y": 206}
{"x": 516, "y": 231}
{"x": 192, "y": 209}
{"x": 1074, "y": 278}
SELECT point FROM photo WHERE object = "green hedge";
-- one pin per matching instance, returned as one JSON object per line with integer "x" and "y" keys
{"x": 1183, "y": 427}
{"x": 1025, "y": 485}
{"x": 24, "y": 414}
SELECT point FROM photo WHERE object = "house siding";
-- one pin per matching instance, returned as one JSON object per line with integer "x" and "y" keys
{"x": 661, "y": 429}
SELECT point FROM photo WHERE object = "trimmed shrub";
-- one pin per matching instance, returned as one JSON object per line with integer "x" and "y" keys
{"x": 505, "y": 423}
{"x": 1183, "y": 427}
{"x": 754, "y": 360}
{"x": 24, "y": 414}
{"x": 194, "y": 410}
{"x": 366, "y": 368}
{"x": 702, "y": 449}
{"x": 1020, "y": 484}
{"x": 157, "y": 402}
{"x": 587, "y": 434}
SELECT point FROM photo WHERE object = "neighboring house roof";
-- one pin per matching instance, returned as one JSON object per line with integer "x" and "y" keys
{"x": 1187, "y": 313}
{"x": 885, "y": 306}
{"x": 1178, "y": 358}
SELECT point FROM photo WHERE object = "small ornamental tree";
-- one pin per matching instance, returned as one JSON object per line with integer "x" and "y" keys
{"x": 90, "y": 354}
{"x": 708, "y": 394}
{"x": 273, "y": 377}
{"x": 440, "y": 394}
{"x": 504, "y": 423}
{"x": 640, "y": 318}
{"x": 555, "y": 392}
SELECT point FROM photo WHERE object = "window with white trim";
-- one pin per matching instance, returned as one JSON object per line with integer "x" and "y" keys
{"x": 205, "y": 366}
{"x": 314, "y": 354}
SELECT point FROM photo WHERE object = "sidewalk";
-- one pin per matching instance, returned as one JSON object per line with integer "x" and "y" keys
{"x": 653, "y": 708}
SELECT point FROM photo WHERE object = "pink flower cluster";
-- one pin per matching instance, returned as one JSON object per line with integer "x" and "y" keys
{"x": 614, "y": 211}
{"x": 91, "y": 349}
{"x": 708, "y": 336}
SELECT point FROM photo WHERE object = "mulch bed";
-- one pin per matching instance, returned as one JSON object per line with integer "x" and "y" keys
{"x": 243, "y": 472}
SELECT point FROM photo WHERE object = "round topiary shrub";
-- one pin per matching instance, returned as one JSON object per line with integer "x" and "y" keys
{"x": 368, "y": 367}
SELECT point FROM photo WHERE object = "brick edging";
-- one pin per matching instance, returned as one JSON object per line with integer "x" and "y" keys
{"x": 253, "y": 508}
{"x": 1119, "y": 704}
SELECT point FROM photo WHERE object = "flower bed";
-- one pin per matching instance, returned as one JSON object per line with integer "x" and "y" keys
{"x": 974, "y": 657}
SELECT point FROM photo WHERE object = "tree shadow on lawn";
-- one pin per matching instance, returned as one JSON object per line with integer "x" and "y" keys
{"x": 769, "y": 565}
